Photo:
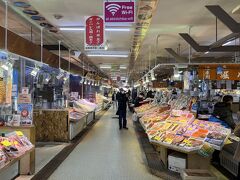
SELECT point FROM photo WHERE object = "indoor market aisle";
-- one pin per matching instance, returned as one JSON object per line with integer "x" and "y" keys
{"x": 105, "y": 153}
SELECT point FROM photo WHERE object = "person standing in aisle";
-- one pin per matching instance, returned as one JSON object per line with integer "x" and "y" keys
{"x": 114, "y": 100}
{"x": 122, "y": 109}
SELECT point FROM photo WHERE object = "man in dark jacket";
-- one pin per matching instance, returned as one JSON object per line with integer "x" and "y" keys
{"x": 222, "y": 110}
{"x": 122, "y": 109}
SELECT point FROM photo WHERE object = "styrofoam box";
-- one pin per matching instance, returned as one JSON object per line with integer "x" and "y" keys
{"x": 177, "y": 162}
{"x": 197, "y": 174}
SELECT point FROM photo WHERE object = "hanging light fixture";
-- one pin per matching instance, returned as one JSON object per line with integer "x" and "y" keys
{"x": 6, "y": 65}
{"x": 65, "y": 77}
{"x": 176, "y": 72}
{"x": 147, "y": 79}
{"x": 47, "y": 78}
{"x": 35, "y": 71}
{"x": 82, "y": 80}
{"x": 152, "y": 75}
{"x": 60, "y": 74}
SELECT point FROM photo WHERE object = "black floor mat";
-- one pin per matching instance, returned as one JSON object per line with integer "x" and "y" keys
{"x": 154, "y": 163}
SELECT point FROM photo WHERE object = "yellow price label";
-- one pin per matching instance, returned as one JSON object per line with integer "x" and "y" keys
{"x": 19, "y": 133}
{"x": 157, "y": 138}
{"x": 6, "y": 143}
{"x": 15, "y": 143}
{"x": 168, "y": 140}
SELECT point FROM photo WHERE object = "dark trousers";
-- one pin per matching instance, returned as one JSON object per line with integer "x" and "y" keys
{"x": 122, "y": 119}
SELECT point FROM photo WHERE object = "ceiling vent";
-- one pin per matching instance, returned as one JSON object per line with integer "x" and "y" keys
{"x": 58, "y": 16}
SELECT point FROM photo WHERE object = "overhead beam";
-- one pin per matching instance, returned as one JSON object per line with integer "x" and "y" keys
{"x": 55, "y": 47}
{"x": 199, "y": 48}
{"x": 193, "y": 43}
{"x": 225, "y": 39}
{"x": 224, "y": 17}
{"x": 175, "y": 55}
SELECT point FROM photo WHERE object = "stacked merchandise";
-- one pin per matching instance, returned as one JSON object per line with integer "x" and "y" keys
{"x": 101, "y": 100}
{"x": 154, "y": 115}
{"x": 76, "y": 114}
{"x": 85, "y": 105}
{"x": 2, "y": 91}
{"x": 182, "y": 102}
{"x": 179, "y": 129}
{"x": 12, "y": 146}
{"x": 144, "y": 108}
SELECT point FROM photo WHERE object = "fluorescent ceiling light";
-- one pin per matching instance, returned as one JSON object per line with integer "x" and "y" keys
{"x": 227, "y": 43}
{"x": 105, "y": 66}
{"x": 72, "y": 28}
{"x": 118, "y": 29}
{"x": 35, "y": 71}
{"x": 5, "y": 67}
{"x": 108, "y": 55}
{"x": 206, "y": 52}
{"x": 83, "y": 29}
{"x": 123, "y": 67}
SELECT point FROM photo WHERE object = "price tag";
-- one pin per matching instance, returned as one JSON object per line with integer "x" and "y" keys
{"x": 19, "y": 133}
{"x": 6, "y": 143}
{"x": 157, "y": 138}
{"x": 168, "y": 140}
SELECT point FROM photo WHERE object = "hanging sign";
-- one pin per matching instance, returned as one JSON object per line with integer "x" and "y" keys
{"x": 24, "y": 98}
{"x": 94, "y": 33}
{"x": 219, "y": 70}
{"x": 229, "y": 74}
{"x": 119, "y": 12}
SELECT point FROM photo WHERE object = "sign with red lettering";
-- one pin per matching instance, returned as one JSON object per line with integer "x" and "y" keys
{"x": 94, "y": 33}
{"x": 119, "y": 12}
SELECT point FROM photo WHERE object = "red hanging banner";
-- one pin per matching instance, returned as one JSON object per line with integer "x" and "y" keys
{"x": 94, "y": 33}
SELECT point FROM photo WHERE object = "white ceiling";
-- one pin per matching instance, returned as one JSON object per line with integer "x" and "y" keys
{"x": 174, "y": 16}
{"x": 171, "y": 17}
{"x": 74, "y": 12}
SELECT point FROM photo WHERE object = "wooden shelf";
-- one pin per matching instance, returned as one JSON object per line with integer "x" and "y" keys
{"x": 12, "y": 161}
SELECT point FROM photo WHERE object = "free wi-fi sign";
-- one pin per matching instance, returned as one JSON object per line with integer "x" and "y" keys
{"x": 113, "y": 8}
{"x": 116, "y": 12}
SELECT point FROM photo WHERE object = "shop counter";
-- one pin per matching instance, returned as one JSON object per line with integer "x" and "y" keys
{"x": 27, "y": 162}
{"x": 23, "y": 165}
{"x": 51, "y": 125}
{"x": 54, "y": 125}
{"x": 76, "y": 126}
{"x": 194, "y": 160}
{"x": 90, "y": 117}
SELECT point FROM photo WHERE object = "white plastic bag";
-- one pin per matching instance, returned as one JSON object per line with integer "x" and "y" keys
{"x": 135, "y": 117}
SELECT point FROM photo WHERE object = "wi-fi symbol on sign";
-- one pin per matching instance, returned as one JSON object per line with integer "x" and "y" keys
{"x": 113, "y": 8}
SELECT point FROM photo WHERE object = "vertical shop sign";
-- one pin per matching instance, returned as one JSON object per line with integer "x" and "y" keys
{"x": 94, "y": 33}
{"x": 25, "y": 111}
{"x": 123, "y": 12}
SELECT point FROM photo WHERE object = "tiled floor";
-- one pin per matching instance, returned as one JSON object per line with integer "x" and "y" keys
{"x": 105, "y": 153}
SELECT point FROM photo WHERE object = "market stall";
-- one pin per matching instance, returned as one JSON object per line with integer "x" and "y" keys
{"x": 16, "y": 127}
{"x": 16, "y": 147}
{"x": 171, "y": 129}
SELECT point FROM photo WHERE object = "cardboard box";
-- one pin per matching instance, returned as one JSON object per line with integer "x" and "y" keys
{"x": 197, "y": 174}
{"x": 177, "y": 162}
